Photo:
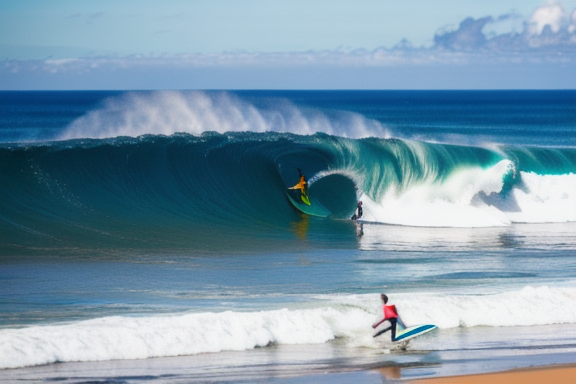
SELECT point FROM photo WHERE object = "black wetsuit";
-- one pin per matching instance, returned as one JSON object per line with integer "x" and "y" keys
{"x": 358, "y": 213}
{"x": 392, "y": 328}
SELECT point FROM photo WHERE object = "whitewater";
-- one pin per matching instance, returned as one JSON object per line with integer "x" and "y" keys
{"x": 339, "y": 317}
{"x": 150, "y": 225}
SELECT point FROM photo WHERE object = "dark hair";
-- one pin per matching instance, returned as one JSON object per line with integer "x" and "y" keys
{"x": 384, "y": 298}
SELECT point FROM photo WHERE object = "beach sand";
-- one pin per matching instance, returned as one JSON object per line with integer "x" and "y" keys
{"x": 561, "y": 374}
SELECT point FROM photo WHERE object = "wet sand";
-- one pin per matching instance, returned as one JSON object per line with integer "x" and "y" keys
{"x": 562, "y": 374}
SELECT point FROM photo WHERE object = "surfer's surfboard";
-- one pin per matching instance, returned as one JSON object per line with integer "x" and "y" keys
{"x": 411, "y": 332}
{"x": 315, "y": 208}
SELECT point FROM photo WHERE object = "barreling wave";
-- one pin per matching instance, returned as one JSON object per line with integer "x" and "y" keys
{"x": 345, "y": 317}
{"x": 162, "y": 191}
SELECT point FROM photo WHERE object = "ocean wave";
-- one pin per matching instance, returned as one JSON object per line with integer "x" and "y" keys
{"x": 183, "y": 190}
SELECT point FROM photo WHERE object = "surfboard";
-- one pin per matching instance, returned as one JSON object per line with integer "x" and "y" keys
{"x": 412, "y": 332}
{"x": 315, "y": 208}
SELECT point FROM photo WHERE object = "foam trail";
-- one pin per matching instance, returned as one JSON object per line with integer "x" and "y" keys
{"x": 169, "y": 112}
{"x": 340, "y": 316}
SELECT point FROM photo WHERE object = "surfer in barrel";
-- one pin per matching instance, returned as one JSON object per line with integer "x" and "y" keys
{"x": 303, "y": 187}
{"x": 390, "y": 316}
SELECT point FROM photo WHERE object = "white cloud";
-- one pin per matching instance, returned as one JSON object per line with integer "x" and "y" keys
{"x": 551, "y": 15}
{"x": 549, "y": 29}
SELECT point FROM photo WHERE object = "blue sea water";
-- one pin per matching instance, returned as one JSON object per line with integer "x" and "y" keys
{"x": 141, "y": 225}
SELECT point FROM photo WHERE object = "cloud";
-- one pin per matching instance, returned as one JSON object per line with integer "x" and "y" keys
{"x": 549, "y": 28}
{"x": 551, "y": 16}
{"x": 468, "y": 36}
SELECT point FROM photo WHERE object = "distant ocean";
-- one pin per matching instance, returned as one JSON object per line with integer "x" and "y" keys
{"x": 148, "y": 225}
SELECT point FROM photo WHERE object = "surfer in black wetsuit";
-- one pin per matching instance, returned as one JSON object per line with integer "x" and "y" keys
{"x": 358, "y": 214}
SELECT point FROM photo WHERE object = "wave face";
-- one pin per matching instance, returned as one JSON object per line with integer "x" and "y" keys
{"x": 155, "y": 191}
{"x": 344, "y": 317}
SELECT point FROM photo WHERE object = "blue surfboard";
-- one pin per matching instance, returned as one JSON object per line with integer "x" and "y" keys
{"x": 411, "y": 332}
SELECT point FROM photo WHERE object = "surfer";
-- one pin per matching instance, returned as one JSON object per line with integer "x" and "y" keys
{"x": 358, "y": 214}
{"x": 302, "y": 186}
{"x": 391, "y": 316}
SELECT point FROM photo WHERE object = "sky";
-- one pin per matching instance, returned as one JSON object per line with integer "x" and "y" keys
{"x": 287, "y": 44}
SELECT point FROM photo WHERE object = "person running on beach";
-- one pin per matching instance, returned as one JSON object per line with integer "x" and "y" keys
{"x": 390, "y": 316}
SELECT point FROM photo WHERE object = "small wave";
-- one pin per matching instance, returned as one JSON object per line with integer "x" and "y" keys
{"x": 113, "y": 338}
{"x": 347, "y": 317}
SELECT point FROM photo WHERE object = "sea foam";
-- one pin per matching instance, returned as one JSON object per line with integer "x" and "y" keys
{"x": 169, "y": 112}
{"x": 471, "y": 197}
